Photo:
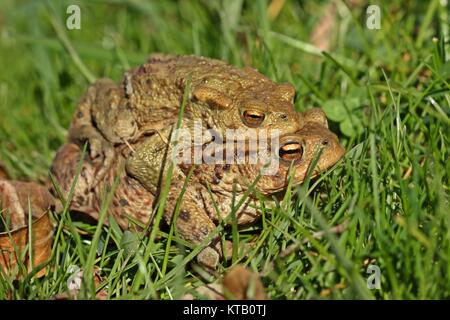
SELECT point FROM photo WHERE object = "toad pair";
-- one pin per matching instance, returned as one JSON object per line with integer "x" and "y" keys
{"x": 129, "y": 128}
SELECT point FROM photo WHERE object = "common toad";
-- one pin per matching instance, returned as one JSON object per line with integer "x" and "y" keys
{"x": 149, "y": 99}
{"x": 120, "y": 122}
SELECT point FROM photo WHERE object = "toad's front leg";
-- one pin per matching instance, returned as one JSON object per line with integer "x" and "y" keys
{"x": 149, "y": 165}
{"x": 194, "y": 225}
{"x": 102, "y": 119}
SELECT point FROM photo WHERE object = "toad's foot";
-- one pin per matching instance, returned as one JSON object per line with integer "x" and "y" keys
{"x": 99, "y": 149}
{"x": 211, "y": 255}
{"x": 104, "y": 151}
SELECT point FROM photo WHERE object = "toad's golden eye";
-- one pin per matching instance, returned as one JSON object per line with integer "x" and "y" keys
{"x": 253, "y": 118}
{"x": 291, "y": 151}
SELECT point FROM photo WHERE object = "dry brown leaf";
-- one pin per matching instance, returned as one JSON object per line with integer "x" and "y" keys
{"x": 14, "y": 197}
{"x": 242, "y": 284}
{"x": 238, "y": 283}
{"x": 322, "y": 34}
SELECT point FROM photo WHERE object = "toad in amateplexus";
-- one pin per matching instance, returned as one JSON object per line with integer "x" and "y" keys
{"x": 149, "y": 98}
{"x": 120, "y": 123}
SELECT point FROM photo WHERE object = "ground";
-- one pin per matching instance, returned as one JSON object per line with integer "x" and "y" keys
{"x": 385, "y": 89}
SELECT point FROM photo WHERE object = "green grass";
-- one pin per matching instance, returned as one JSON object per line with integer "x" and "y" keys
{"x": 386, "y": 92}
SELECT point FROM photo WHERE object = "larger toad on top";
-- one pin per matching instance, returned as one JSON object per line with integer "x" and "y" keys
{"x": 119, "y": 122}
{"x": 149, "y": 99}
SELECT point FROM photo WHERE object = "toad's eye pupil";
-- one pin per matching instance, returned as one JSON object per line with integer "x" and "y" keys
{"x": 253, "y": 118}
{"x": 291, "y": 151}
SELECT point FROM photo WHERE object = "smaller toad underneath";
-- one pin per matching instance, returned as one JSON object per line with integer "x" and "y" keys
{"x": 209, "y": 191}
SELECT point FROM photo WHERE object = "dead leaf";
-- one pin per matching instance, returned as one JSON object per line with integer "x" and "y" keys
{"x": 15, "y": 199}
{"x": 322, "y": 34}
{"x": 238, "y": 284}
{"x": 242, "y": 284}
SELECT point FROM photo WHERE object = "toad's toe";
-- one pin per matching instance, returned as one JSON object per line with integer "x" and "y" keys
{"x": 209, "y": 257}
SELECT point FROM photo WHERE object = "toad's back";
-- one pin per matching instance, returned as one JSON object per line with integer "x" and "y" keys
{"x": 155, "y": 89}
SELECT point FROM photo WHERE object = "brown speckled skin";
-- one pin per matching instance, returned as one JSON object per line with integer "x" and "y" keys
{"x": 149, "y": 99}
{"x": 131, "y": 199}
{"x": 223, "y": 179}
{"x": 120, "y": 121}
{"x": 200, "y": 209}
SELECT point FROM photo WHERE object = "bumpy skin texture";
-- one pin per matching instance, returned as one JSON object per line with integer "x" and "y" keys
{"x": 149, "y": 99}
{"x": 120, "y": 122}
{"x": 208, "y": 191}
{"x": 131, "y": 200}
